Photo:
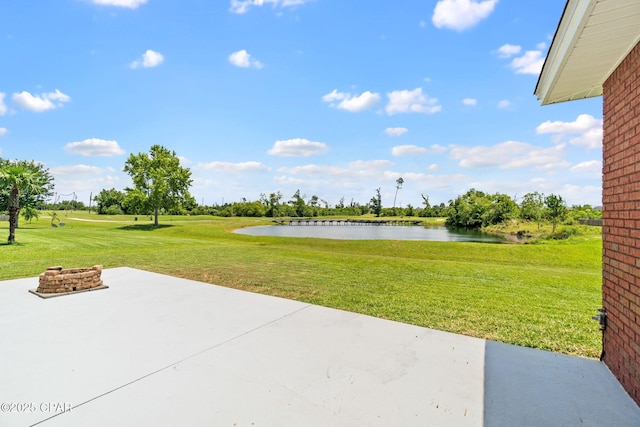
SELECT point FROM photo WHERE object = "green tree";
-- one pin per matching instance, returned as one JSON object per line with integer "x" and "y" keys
{"x": 532, "y": 207}
{"x": 476, "y": 209}
{"x": 556, "y": 209}
{"x": 23, "y": 183}
{"x": 468, "y": 209}
{"x": 298, "y": 204}
{"x": 159, "y": 176}
{"x": 376, "y": 203}
{"x": 106, "y": 200}
{"x": 501, "y": 209}
{"x": 133, "y": 202}
{"x": 29, "y": 213}
{"x": 271, "y": 203}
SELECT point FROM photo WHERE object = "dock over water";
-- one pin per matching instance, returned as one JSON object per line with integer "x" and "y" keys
{"x": 345, "y": 222}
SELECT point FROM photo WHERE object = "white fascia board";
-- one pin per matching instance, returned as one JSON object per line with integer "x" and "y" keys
{"x": 572, "y": 23}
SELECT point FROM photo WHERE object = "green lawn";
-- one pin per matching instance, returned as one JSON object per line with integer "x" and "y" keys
{"x": 536, "y": 295}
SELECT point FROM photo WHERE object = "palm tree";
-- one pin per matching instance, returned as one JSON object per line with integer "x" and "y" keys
{"x": 399, "y": 183}
{"x": 17, "y": 177}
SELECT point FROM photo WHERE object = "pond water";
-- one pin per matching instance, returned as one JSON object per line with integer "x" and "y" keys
{"x": 374, "y": 232}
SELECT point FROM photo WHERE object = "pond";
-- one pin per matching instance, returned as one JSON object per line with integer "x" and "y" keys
{"x": 374, "y": 232}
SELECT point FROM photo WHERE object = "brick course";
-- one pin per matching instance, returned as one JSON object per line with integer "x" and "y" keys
{"x": 58, "y": 280}
{"x": 621, "y": 222}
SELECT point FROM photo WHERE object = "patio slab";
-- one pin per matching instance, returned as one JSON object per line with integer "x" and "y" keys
{"x": 158, "y": 350}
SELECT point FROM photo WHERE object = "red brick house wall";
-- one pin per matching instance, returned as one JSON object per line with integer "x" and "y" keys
{"x": 621, "y": 222}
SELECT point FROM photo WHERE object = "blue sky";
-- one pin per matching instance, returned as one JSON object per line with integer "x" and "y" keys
{"x": 332, "y": 97}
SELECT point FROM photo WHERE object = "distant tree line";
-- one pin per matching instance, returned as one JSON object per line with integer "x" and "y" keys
{"x": 474, "y": 209}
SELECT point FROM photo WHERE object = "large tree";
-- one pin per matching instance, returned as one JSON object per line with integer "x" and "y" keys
{"x": 159, "y": 176}
{"x": 22, "y": 183}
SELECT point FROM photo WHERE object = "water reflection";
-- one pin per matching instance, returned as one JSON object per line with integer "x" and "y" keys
{"x": 374, "y": 232}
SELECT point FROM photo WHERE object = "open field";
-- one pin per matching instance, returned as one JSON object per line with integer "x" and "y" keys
{"x": 539, "y": 295}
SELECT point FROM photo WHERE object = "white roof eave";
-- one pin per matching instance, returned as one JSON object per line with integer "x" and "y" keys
{"x": 565, "y": 75}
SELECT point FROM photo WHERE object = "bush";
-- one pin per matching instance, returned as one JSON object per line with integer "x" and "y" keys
{"x": 563, "y": 233}
{"x": 113, "y": 210}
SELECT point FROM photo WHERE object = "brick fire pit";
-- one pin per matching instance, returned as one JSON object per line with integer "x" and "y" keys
{"x": 57, "y": 281}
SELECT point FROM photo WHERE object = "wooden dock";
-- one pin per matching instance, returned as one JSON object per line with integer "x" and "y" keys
{"x": 344, "y": 222}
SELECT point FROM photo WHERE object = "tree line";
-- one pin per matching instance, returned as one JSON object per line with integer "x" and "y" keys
{"x": 161, "y": 186}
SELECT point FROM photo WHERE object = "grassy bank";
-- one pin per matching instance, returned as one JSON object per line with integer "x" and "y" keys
{"x": 540, "y": 295}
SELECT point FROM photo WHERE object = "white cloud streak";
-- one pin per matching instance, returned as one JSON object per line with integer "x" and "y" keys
{"x": 510, "y": 155}
{"x": 130, "y": 4}
{"x": 3, "y": 131}
{"x": 243, "y": 6}
{"x": 243, "y": 59}
{"x": 460, "y": 15}
{"x": 396, "y": 131}
{"x": 297, "y": 147}
{"x": 39, "y": 103}
{"x": 585, "y": 131}
{"x": 508, "y": 50}
{"x": 76, "y": 170}
{"x": 588, "y": 167}
{"x": 529, "y": 63}
{"x": 94, "y": 147}
{"x": 504, "y": 104}
{"x": 470, "y": 102}
{"x": 229, "y": 167}
{"x": 149, "y": 59}
{"x": 411, "y": 101}
{"x": 3, "y": 107}
{"x": 408, "y": 151}
{"x": 352, "y": 103}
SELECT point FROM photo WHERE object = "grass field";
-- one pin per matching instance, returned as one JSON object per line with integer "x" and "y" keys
{"x": 535, "y": 295}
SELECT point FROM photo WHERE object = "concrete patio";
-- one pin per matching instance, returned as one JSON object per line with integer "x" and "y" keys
{"x": 158, "y": 350}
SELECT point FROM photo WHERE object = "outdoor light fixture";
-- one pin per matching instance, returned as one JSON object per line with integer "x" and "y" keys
{"x": 601, "y": 318}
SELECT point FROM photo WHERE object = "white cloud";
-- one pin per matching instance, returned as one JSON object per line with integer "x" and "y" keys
{"x": 242, "y": 59}
{"x": 39, "y": 103}
{"x": 76, "y": 170}
{"x": 352, "y": 103}
{"x": 408, "y": 150}
{"x": 460, "y": 15}
{"x": 3, "y": 131}
{"x": 297, "y": 147}
{"x": 470, "y": 102}
{"x": 131, "y": 4}
{"x": 396, "y": 131}
{"x": 411, "y": 101}
{"x": 94, "y": 147}
{"x": 242, "y": 6}
{"x": 504, "y": 104}
{"x": 370, "y": 164}
{"x": 149, "y": 59}
{"x": 229, "y": 167}
{"x": 590, "y": 167}
{"x": 354, "y": 173}
{"x": 529, "y": 63}
{"x": 3, "y": 107}
{"x": 508, "y": 50}
{"x": 510, "y": 155}
{"x": 433, "y": 167}
{"x": 587, "y": 128}
{"x": 437, "y": 149}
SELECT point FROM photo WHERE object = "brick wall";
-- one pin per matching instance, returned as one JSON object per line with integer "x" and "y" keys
{"x": 621, "y": 222}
